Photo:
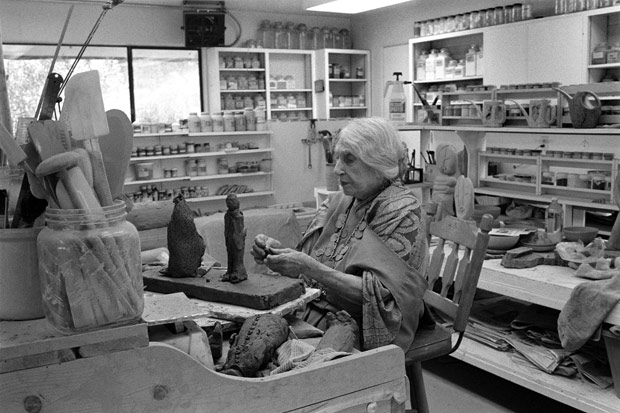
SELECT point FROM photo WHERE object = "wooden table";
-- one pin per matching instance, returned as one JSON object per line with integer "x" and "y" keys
{"x": 549, "y": 286}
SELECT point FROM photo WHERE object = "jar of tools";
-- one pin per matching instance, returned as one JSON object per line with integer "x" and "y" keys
{"x": 90, "y": 269}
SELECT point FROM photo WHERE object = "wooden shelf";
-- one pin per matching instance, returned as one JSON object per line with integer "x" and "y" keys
{"x": 572, "y": 392}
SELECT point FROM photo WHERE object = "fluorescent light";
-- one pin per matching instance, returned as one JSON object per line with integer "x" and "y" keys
{"x": 353, "y": 6}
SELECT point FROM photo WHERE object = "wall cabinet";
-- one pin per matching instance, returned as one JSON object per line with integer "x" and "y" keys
{"x": 604, "y": 45}
{"x": 216, "y": 164}
{"x": 280, "y": 80}
{"x": 343, "y": 85}
{"x": 523, "y": 53}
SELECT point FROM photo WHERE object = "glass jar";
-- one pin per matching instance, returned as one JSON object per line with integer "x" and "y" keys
{"x": 499, "y": 15}
{"x": 281, "y": 38}
{"x": 347, "y": 41}
{"x": 336, "y": 38}
{"x": 315, "y": 38}
{"x": 191, "y": 168}
{"x": 292, "y": 37}
{"x": 90, "y": 269}
{"x": 266, "y": 33}
{"x": 327, "y": 41}
{"x": 517, "y": 12}
{"x": 303, "y": 37}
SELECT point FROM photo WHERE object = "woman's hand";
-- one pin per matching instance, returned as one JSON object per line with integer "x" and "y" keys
{"x": 290, "y": 263}
{"x": 262, "y": 247}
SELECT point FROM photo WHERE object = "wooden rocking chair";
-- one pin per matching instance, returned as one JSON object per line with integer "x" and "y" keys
{"x": 456, "y": 263}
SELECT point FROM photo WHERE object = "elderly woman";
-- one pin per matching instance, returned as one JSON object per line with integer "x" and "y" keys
{"x": 365, "y": 248}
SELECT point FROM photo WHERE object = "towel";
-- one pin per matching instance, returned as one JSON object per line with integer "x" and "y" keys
{"x": 589, "y": 304}
{"x": 295, "y": 354}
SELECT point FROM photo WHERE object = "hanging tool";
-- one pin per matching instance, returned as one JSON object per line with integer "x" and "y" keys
{"x": 310, "y": 140}
{"x": 328, "y": 145}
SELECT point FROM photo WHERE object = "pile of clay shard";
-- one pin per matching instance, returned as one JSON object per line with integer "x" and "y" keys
{"x": 255, "y": 344}
{"x": 185, "y": 244}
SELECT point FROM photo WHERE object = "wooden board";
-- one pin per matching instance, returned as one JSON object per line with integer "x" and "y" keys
{"x": 160, "y": 378}
{"x": 259, "y": 291}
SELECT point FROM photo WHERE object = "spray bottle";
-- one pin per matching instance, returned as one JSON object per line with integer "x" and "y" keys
{"x": 395, "y": 94}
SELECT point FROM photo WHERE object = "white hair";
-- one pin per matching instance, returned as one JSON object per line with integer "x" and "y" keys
{"x": 375, "y": 142}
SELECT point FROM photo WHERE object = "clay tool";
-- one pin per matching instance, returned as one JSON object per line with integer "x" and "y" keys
{"x": 84, "y": 114}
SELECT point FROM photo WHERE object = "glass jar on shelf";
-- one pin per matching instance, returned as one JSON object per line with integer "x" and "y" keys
{"x": 336, "y": 38}
{"x": 347, "y": 42}
{"x": 315, "y": 38}
{"x": 292, "y": 37}
{"x": 266, "y": 34}
{"x": 327, "y": 41}
{"x": 90, "y": 269}
{"x": 303, "y": 37}
{"x": 281, "y": 39}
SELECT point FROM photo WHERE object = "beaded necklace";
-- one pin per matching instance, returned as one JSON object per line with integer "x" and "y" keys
{"x": 336, "y": 251}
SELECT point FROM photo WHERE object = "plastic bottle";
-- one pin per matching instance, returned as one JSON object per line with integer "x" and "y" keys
{"x": 193, "y": 122}
{"x": 395, "y": 93}
{"x": 420, "y": 66}
{"x": 459, "y": 70}
{"x": 240, "y": 122}
{"x": 250, "y": 119}
{"x": 206, "y": 124}
{"x": 440, "y": 63}
{"x": 229, "y": 122}
{"x": 470, "y": 61}
{"x": 261, "y": 118}
{"x": 554, "y": 220}
{"x": 430, "y": 65}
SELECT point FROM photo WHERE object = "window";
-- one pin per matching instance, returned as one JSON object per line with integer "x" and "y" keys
{"x": 166, "y": 84}
{"x": 165, "y": 88}
{"x": 27, "y": 67}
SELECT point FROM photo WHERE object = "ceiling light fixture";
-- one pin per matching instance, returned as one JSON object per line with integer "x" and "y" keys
{"x": 352, "y": 6}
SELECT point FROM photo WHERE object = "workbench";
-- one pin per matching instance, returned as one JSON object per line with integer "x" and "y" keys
{"x": 119, "y": 369}
{"x": 548, "y": 286}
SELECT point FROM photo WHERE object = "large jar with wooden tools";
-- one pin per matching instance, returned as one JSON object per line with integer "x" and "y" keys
{"x": 90, "y": 268}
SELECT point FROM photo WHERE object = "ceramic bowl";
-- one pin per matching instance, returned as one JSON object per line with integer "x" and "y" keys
{"x": 583, "y": 234}
{"x": 502, "y": 242}
{"x": 480, "y": 210}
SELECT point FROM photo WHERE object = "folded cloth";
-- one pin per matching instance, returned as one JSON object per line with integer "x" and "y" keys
{"x": 589, "y": 304}
{"x": 295, "y": 354}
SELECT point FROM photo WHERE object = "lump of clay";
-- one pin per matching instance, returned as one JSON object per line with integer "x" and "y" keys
{"x": 185, "y": 244}
{"x": 255, "y": 344}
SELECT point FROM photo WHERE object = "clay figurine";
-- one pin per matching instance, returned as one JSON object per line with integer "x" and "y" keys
{"x": 445, "y": 180}
{"x": 185, "y": 244}
{"x": 255, "y": 344}
{"x": 234, "y": 233}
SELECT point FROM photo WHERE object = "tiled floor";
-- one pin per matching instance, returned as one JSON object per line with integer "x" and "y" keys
{"x": 455, "y": 386}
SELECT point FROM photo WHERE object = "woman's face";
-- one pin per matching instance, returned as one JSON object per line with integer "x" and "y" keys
{"x": 356, "y": 178}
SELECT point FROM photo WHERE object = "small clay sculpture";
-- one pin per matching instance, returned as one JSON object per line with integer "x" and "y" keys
{"x": 255, "y": 344}
{"x": 185, "y": 244}
{"x": 444, "y": 180}
{"x": 234, "y": 233}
